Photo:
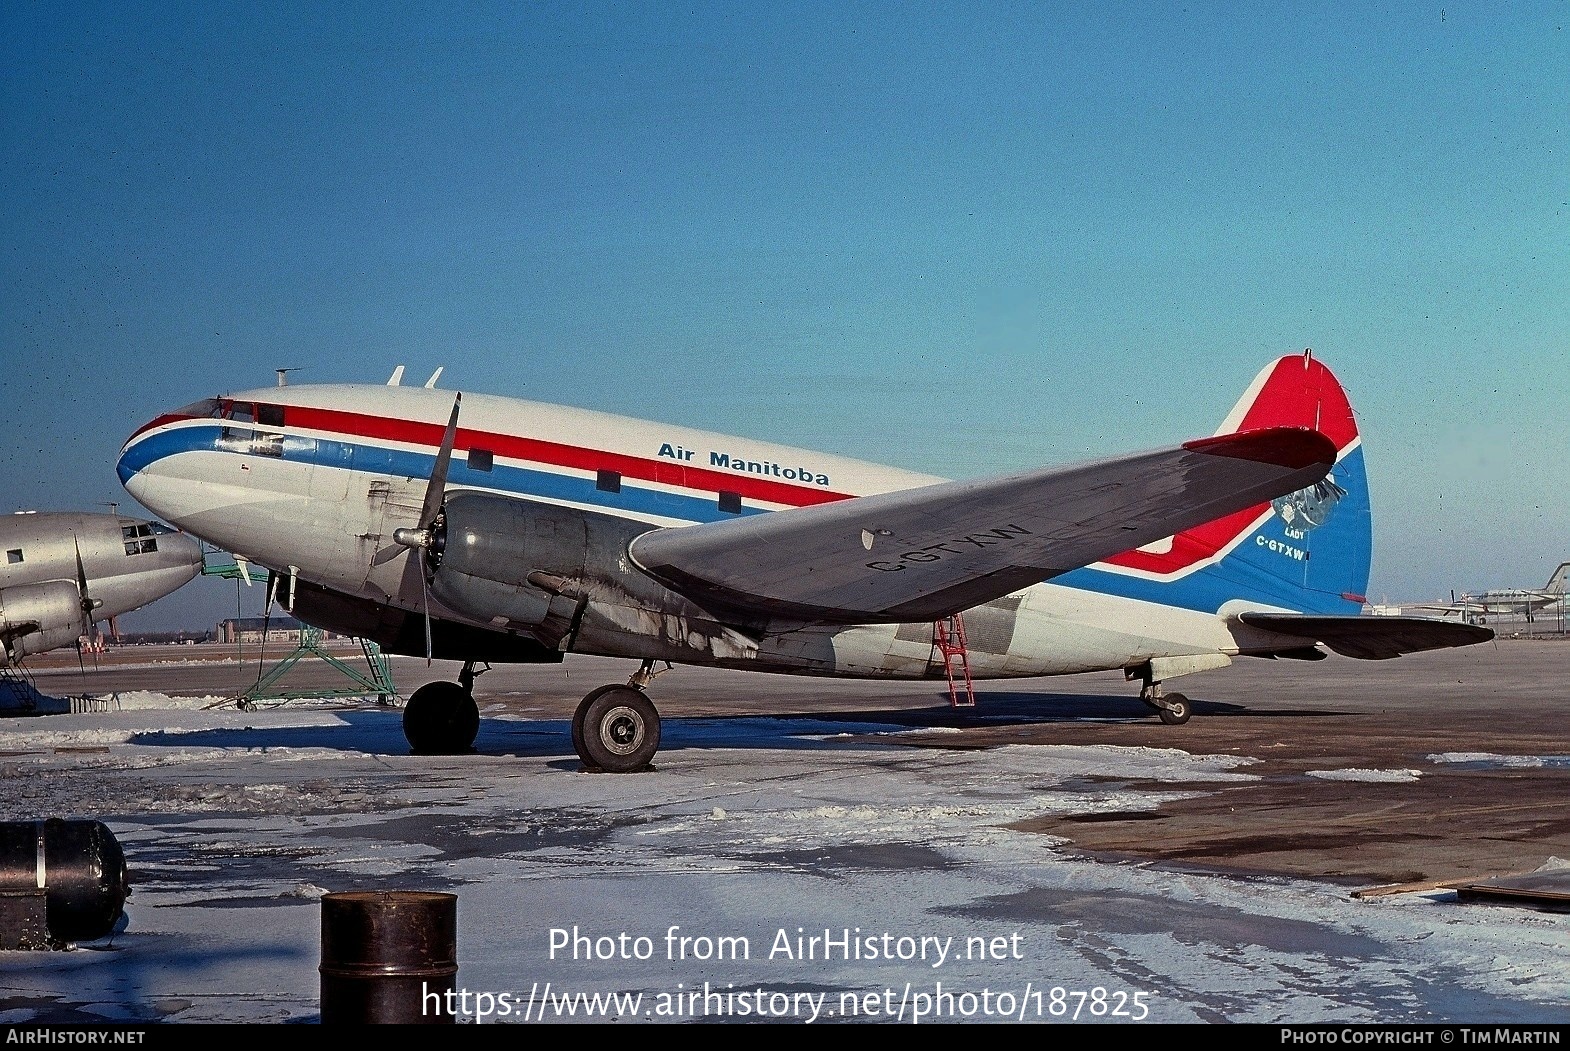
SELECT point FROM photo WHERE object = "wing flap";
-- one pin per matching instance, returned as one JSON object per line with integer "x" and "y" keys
{"x": 922, "y": 554}
{"x": 1371, "y": 638}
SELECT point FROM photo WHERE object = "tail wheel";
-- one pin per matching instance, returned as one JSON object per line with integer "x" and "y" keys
{"x": 1175, "y": 709}
{"x": 616, "y": 729}
{"x": 441, "y": 719}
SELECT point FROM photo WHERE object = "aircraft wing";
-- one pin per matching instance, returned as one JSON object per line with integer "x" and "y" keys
{"x": 1374, "y": 637}
{"x": 922, "y": 554}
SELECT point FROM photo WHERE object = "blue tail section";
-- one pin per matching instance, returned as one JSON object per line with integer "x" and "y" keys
{"x": 1308, "y": 552}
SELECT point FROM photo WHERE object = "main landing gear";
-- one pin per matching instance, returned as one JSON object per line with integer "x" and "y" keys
{"x": 1174, "y": 708}
{"x": 441, "y": 718}
{"x": 616, "y": 729}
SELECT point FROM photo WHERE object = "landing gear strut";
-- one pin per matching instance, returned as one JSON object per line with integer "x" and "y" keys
{"x": 616, "y": 728}
{"x": 442, "y": 718}
{"x": 1173, "y": 708}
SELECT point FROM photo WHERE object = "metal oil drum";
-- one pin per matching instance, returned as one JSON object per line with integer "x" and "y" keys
{"x": 389, "y": 957}
{"x": 61, "y": 881}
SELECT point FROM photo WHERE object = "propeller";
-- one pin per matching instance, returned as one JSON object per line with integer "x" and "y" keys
{"x": 421, "y": 540}
{"x": 88, "y": 604}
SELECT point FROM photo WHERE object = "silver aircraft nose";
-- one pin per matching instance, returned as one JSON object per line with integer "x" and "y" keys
{"x": 185, "y": 550}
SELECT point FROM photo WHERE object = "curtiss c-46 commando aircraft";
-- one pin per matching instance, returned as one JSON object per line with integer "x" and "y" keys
{"x": 63, "y": 571}
{"x": 487, "y": 529}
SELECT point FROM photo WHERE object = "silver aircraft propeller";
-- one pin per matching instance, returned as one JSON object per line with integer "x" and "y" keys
{"x": 88, "y": 603}
{"x": 420, "y": 539}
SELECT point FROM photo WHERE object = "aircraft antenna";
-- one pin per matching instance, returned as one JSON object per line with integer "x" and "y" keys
{"x": 283, "y": 375}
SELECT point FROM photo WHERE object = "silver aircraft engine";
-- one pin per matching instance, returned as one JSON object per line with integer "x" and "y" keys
{"x": 50, "y": 613}
{"x": 525, "y": 566}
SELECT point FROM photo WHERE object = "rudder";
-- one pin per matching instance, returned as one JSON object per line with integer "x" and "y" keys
{"x": 1309, "y": 551}
{"x": 1313, "y": 551}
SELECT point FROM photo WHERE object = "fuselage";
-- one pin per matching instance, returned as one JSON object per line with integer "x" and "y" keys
{"x": 314, "y": 481}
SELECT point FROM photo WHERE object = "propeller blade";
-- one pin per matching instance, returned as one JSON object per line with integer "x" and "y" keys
{"x": 425, "y": 601}
{"x": 81, "y": 583}
{"x": 386, "y": 554}
{"x": 437, "y": 490}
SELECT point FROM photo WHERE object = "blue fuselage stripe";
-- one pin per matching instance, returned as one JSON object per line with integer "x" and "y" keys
{"x": 379, "y": 461}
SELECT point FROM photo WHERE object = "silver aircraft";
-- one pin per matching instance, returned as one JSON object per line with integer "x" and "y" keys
{"x": 61, "y": 572}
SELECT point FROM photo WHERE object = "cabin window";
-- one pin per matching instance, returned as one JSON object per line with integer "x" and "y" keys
{"x": 481, "y": 459}
{"x": 608, "y": 481}
{"x": 14, "y": 555}
{"x": 269, "y": 415}
{"x": 730, "y": 503}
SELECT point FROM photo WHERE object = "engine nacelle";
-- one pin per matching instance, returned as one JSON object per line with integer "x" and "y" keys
{"x": 529, "y": 566}
{"x": 39, "y": 617}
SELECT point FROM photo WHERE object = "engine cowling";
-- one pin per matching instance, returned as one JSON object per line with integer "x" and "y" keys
{"x": 39, "y": 617}
{"x": 530, "y": 566}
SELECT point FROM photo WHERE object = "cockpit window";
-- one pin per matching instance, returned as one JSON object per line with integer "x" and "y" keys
{"x": 140, "y": 539}
{"x": 244, "y": 438}
{"x": 206, "y": 408}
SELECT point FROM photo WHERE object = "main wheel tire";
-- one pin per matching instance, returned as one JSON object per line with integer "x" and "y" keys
{"x": 441, "y": 719}
{"x": 620, "y": 730}
{"x": 582, "y": 713}
{"x": 1178, "y": 713}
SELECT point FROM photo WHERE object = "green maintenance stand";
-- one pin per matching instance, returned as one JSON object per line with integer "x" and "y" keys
{"x": 377, "y": 684}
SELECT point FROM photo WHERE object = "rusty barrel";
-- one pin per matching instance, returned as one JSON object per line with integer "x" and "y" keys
{"x": 61, "y": 881}
{"x": 389, "y": 957}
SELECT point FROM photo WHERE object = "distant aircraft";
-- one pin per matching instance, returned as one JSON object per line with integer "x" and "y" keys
{"x": 1519, "y": 601}
{"x": 1477, "y": 606}
{"x": 63, "y": 571}
{"x": 487, "y": 529}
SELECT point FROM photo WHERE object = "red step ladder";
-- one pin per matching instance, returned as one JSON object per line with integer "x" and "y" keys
{"x": 948, "y": 638}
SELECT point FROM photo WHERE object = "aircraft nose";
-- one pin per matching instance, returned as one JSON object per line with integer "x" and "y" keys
{"x": 137, "y": 471}
{"x": 133, "y": 457}
{"x": 188, "y": 550}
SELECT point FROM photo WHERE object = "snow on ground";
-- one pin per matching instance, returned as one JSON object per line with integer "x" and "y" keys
{"x": 1366, "y": 775}
{"x": 817, "y": 871}
{"x": 1483, "y": 760}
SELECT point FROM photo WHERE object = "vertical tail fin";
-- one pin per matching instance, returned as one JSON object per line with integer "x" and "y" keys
{"x": 1306, "y": 552}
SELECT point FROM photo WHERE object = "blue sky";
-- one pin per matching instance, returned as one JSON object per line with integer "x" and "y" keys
{"x": 960, "y": 238}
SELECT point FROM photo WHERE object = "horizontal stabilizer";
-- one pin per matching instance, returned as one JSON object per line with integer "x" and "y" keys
{"x": 921, "y": 554}
{"x": 1371, "y": 638}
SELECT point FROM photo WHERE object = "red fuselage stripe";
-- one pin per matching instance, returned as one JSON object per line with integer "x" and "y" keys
{"x": 411, "y": 432}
